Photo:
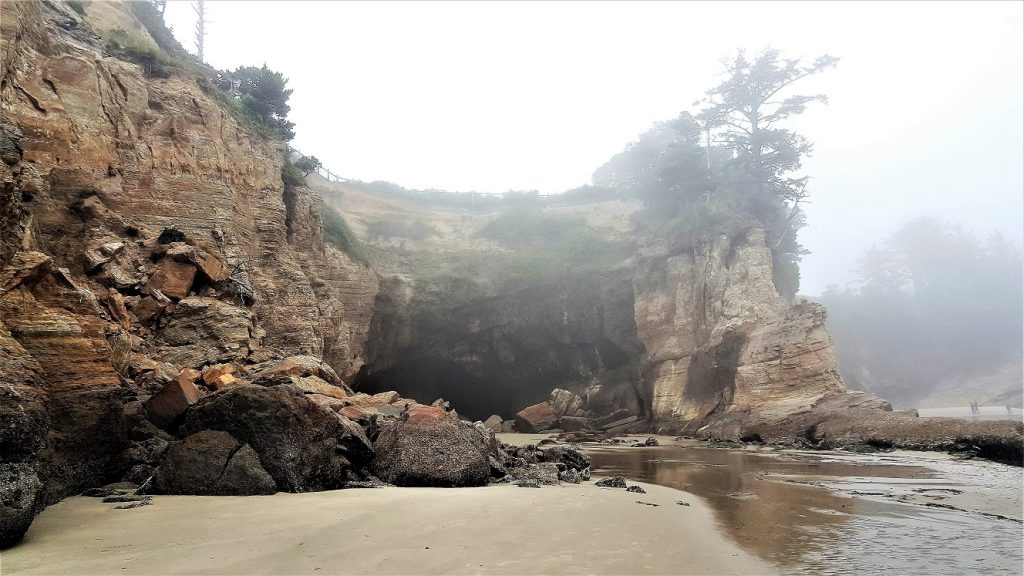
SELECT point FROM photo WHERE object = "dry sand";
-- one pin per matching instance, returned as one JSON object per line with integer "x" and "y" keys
{"x": 568, "y": 529}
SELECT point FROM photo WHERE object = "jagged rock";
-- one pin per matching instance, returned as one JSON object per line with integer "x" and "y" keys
{"x": 306, "y": 372}
{"x": 536, "y": 418}
{"x": 203, "y": 331}
{"x": 528, "y": 483}
{"x": 565, "y": 403}
{"x": 295, "y": 438}
{"x": 569, "y": 458}
{"x": 493, "y": 423}
{"x": 646, "y": 443}
{"x": 612, "y": 482}
{"x": 139, "y": 474}
{"x": 210, "y": 266}
{"x": 542, "y": 473}
{"x": 431, "y": 448}
{"x": 508, "y": 425}
{"x": 359, "y": 413}
{"x": 636, "y": 489}
{"x": 21, "y": 498}
{"x": 212, "y": 463}
{"x": 212, "y": 373}
{"x": 173, "y": 279}
{"x": 571, "y": 476}
{"x": 170, "y": 402}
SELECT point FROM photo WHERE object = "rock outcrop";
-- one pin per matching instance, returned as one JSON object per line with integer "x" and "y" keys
{"x": 719, "y": 338}
{"x": 143, "y": 231}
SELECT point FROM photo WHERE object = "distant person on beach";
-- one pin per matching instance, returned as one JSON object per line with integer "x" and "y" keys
{"x": 1008, "y": 409}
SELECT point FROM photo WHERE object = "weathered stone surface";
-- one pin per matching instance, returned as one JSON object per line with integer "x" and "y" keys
{"x": 536, "y": 418}
{"x": 21, "y": 498}
{"x": 611, "y": 482}
{"x": 541, "y": 473}
{"x": 211, "y": 373}
{"x": 295, "y": 438}
{"x": 493, "y": 423}
{"x": 203, "y": 331}
{"x": 302, "y": 366}
{"x": 613, "y": 417}
{"x": 565, "y": 403}
{"x": 431, "y": 449}
{"x": 169, "y": 403}
{"x": 210, "y": 266}
{"x": 174, "y": 279}
{"x": 719, "y": 337}
{"x": 508, "y": 425}
{"x": 212, "y": 463}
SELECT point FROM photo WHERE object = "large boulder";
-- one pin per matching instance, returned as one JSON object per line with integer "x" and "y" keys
{"x": 431, "y": 447}
{"x": 164, "y": 407}
{"x": 565, "y": 403}
{"x": 212, "y": 463}
{"x": 536, "y": 418}
{"x": 493, "y": 423}
{"x": 296, "y": 439}
{"x": 21, "y": 498}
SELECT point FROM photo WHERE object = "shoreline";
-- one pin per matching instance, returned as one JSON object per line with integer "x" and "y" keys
{"x": 497, "y": 529}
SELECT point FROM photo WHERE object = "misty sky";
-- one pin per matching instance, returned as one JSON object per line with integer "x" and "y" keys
{"x": 926, "y": 112}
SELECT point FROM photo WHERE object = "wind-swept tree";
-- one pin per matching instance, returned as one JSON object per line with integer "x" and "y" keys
{"x": 263, "y": 94}
{"x": 744, "y": 113}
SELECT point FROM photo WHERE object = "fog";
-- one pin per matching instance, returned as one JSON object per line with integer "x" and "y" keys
{"x": 925, "y": 115}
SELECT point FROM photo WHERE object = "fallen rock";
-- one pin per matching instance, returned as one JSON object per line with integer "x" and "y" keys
{"x": 212, "y": 373}
{"x": 295, "y": 438}
{"x": 210, "y": 266}
{"x": 202, "y": 331}
{"x": 616, "y": 416}
{"x": 166, "y": 405}
{"x": 212, "y": 463}
{"x": 493, "y": 423}
{"x": 431, "y": 448}
{"x": 536, "y": 418}
{"x": 636, "y": 489}
{"x": 508, "y": 425}
{"x": 173, "y": 279}
{"x": 542, "y": 473}
{"x": 565, "y": 403}
{"x": 612, "y": 482}
{"x": 576, "y": 423}
{"x": 528, "y": 483}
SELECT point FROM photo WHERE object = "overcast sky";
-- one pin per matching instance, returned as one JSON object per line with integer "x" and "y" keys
{"x": 926, "y": 112}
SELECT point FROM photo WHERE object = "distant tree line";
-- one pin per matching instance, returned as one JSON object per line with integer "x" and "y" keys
{"x": 931, "y": 304}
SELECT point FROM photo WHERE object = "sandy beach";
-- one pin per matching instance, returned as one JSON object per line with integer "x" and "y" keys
{"x": 568, "y": 529}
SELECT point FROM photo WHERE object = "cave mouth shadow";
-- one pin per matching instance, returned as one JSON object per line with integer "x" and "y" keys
{"x": 473, "y": 396}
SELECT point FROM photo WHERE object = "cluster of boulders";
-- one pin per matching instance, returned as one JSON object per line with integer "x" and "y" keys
{"x": 566, "y": 413}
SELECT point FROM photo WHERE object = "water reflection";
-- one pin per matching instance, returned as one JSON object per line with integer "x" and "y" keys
{"x": 811, "y": 530}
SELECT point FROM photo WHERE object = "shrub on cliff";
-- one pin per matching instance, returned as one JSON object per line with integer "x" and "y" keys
{"x": 338, "y": 234}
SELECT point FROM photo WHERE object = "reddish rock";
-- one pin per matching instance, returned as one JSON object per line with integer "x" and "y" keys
{"x": 533, "y": 419}
{"x": 225, "y": 381}
{"x": 359, "y": 413}
{"x": 167, "y": 404}
{"x": 420, "y": 414}
{"x": 174, "y": 279}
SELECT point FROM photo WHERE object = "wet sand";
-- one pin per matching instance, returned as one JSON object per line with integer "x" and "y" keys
{"x": 500, "y": 529}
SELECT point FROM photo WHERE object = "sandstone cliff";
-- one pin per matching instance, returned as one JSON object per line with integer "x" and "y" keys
{"x": 144, "y": 231}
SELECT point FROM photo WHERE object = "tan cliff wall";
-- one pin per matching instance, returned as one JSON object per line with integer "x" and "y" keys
{"x": 719, "y": 338}
{"x": 98, "y": 159}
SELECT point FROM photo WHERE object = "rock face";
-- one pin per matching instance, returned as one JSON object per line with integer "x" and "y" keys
{"x": 719, "y": 338}
{"x": 212, "y": 463}
{"x": 536, "y": 418}
{"x": 98, "y": 307}
{"x": 433, "y": 448}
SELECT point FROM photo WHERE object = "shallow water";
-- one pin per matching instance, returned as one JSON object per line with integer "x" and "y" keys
{"x": 777, "y": 506}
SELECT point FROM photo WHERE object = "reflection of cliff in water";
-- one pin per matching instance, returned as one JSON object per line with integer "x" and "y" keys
{"x": 811, "y": 530}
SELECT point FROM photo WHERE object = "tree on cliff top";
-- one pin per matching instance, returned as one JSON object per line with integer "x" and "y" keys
{"x": 744, "y": 112}
{"x": 264, "y": 97}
